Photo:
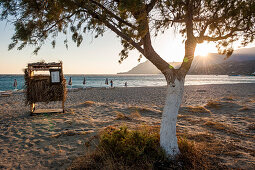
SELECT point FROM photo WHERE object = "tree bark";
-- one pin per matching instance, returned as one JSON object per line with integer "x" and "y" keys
{"x": 175, "y": 88}
{"x": 168, "y": 139}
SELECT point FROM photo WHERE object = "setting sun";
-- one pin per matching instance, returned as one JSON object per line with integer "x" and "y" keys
{"x": 203, "y": 49}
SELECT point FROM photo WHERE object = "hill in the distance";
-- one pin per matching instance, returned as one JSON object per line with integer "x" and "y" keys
{"x": 241, "y": 62}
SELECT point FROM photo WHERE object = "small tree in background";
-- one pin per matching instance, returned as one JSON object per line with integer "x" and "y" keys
{"x": 134, "y": 22}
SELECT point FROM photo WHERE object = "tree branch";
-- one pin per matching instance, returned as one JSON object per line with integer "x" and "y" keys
{"x": 60, "y": 20}
{"x": 113, "y": 15}
{"x": 150, "y": 6}
{"x": 207, "y": 38}
{"x": 114, "y": 29}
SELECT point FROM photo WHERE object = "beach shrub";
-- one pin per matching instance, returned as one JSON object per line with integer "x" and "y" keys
{"x": 244, "y": 108}
{"x": 213, "y": 104}
{"x": 89, "y": 103}
{"x": 144, "y": 109}
{"x": 197, "y": 109}
{"x": 230, "y": 98}
{"x": 121, "y": 116}
{"x": 192, "y": 155}
{"x": 131, "y": 146}
{"x": 216, "y": 125}
{"x": 135, "y": 114}
{"x": 121, "y": 148}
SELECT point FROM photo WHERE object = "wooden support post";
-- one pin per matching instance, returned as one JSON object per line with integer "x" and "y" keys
{"x": 32, "y": 107}
{"x": 63, "y": 106}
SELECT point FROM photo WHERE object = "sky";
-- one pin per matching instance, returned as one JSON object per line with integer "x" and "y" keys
{"x": 94, "y": 56}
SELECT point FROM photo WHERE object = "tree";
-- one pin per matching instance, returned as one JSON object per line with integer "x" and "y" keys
{"x": 134, "y": 21}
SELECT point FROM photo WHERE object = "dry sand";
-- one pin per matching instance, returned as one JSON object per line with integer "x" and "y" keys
{"x": 53, "y": 141}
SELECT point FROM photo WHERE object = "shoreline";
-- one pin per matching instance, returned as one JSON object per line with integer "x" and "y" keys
{"x": 91, "y": 87}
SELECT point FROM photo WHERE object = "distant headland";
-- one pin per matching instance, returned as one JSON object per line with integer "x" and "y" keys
{"x": 242, "y": 62}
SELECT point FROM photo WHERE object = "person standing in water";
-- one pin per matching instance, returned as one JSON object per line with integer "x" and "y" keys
{"x": 125, "y": 84}
{"x": 70, "y": 83}
{"x": 106, "y": 81}
{"x": 111, "y": 83}
{"x": 15, "y": 84}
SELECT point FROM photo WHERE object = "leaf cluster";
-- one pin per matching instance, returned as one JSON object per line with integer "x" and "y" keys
{"x": 221, "y": 21}
{"x": 132, "y": 146}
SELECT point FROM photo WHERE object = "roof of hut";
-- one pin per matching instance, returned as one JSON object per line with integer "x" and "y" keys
{"x": 40, "y": 66}
{"x": 39, "y": 88}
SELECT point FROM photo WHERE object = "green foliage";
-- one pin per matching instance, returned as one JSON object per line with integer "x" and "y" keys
{"x": 121, "y": 148}
{"x": 221, "y": 21}
{"x": 131, "y": 146}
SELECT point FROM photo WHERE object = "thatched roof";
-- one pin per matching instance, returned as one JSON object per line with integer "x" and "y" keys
{"x": 39, "y": 87}
{"x": 40, "y": 66}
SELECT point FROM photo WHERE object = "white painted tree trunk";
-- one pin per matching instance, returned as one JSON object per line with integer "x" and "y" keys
{"x": 168, "y": 139}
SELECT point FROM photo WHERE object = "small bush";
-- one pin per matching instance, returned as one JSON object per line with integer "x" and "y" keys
{"x": 192, "y": 156}
{"x": 230, "y": 98}
{"x": 217, "y": 125}
{"x": 89, "y": 103}
{"x": 131, "y": 146}
{"x": 201, "y": 137}
{"x": 197, "y": 109}
{"x": 121, "y": 116}
{"x": 213, "y": 104}
{"x": 120, "y": 148}
{"x": 135, "y": 114}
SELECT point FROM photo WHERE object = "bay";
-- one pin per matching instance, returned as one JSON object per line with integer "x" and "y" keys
{"x": 6, "y": 81}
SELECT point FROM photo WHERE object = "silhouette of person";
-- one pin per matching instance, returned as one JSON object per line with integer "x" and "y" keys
{"x": 111, "y": 83}
{"x": 15, "y": 84}
{"x": 125, "y": 84}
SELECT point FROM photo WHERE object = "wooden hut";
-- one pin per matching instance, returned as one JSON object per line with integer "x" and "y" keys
{"x": 45, "y": 87}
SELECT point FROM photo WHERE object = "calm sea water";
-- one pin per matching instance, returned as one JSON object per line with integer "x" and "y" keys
{"x": 6, "y": 81}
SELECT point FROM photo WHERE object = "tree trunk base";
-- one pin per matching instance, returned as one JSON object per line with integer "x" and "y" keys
{"x": 168, "y": 139}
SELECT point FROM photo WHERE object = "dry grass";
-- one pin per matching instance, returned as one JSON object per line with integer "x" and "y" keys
{"x": 121, "y": 148}
{"x": 216, "y": 125}
{"x": 197, "y": 109}
{"x": 89, "y": 103}
{"x": 213, "y": 104}
{"x": 135, "y": 114}
{"x": 249, "y": 119}
{"x": 229, "y": 98}
{"x": 244, "y": 108}
{"x": 221, "y": 148}
{"x": 121, "y": 116}
{"x": 192, "y": 155}
{"x": 70, "y": 111}
{"x": 251, "y": 101}
{"x": 183, "y": 117}
{"x": 224, "y": 127}
{"x": 251, "y": 126}
{"x": 142, "y": 109}
{"x": 201, "y": 137}
{"x": 194, "y": 120}
{"x": 69, "y": 133}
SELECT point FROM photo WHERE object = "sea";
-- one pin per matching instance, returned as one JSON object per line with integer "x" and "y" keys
{"x": 143, "y": 80}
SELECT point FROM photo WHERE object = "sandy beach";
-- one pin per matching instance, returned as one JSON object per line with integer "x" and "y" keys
{"x": 221, "y": 115}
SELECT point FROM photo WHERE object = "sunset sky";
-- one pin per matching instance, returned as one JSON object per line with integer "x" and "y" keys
{"x": 94, "y": 56}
